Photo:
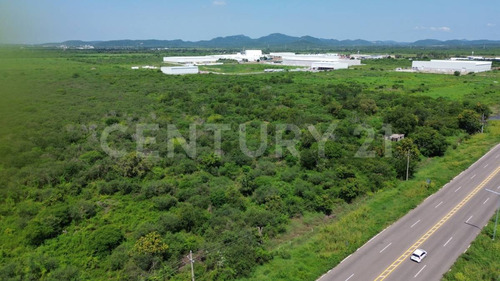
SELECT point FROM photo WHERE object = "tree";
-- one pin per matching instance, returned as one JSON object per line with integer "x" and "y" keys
{"x": 309, "y": 158}
{"x": 469, "y": 121}
{"x": 429, "y": 141}
{"x": 132, "y": 165}
{"x": 148, "y": 251}
{"x": 150, "y": 244}
{"x": 482, "y": 110}
{"x": 403, "y": 121}
{"x": 368, "y": 106}
{"x": 406, "y": 150}
{"x": 350, "y": 189}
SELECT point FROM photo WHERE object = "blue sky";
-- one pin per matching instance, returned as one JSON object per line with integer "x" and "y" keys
{"x": 40, "y": 21}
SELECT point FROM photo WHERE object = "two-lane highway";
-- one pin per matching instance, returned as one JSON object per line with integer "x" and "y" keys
{"x": 444, "y": 225}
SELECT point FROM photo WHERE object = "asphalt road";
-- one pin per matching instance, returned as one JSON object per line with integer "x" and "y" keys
{"x": 444, "y": 225}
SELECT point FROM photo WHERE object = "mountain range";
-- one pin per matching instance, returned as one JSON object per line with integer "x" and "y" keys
{"x": 271, "y": 41}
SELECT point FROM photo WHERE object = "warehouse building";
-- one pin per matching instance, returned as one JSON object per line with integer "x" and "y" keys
{"x": 450, "y": 66}
{"x": 248, "y": 55}
{"x": 191, "y": 60}
{"x": 309, "y": 59}
{"x": 251, "y": 55}
{"x": 179, "y": 70}
{"x": 329, "y": 65}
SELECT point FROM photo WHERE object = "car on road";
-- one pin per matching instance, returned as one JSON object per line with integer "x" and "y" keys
{"x": 418, "y": 255}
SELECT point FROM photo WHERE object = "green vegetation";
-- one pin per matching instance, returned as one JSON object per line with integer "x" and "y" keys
{"x": 480, "y": 262}
{"x": 71, "y": 211}
{"x": 311, "y": 255}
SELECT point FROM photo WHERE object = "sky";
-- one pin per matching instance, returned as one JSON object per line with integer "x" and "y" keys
{"x": 43, "y": 21}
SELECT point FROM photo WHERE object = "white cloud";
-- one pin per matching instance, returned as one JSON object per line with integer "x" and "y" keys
{"x": 433, "y": 28}
{"x": 490, "y": 25}
{"x": 442, "y": 28}
{"x": 219, "y": 3}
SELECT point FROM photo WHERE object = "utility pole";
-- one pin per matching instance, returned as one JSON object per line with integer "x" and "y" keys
{"x": 407, "y": 164}
{"x": 498, "y": 208}
{"x": 482, "y": 123}
{"x": 190, "y": 257}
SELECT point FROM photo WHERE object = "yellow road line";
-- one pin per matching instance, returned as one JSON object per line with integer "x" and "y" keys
{"x": 433, "y": 229}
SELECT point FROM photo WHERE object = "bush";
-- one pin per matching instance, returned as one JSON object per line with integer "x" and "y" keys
{"x": 151, "y": 243}
{"x": 156, "y": 188}
{"x": 39, "y": 230}
{"x": 164, "y": 203}
{"x": 83, "y": 210}
{"x": 47, "y": 225}
{"x": 105, "y": 188}
{"x": 218, "y": 197}
{"x": 68, "y": 272}
{"x": 169, "y": 223}
{"x": 105, "y": 239}
{"x": 119, "y": 258}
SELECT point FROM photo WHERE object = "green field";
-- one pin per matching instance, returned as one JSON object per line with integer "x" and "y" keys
{"x": 70, "y": 211}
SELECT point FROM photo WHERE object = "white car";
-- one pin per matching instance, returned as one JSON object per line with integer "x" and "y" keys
{"x": 418, "y": 255}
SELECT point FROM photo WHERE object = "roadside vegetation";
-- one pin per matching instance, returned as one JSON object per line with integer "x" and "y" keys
{"x": 480, "y": 262}
{"x": 70, "y": 211}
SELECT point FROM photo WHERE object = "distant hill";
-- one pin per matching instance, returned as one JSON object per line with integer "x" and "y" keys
{"x": 275, "y": 41}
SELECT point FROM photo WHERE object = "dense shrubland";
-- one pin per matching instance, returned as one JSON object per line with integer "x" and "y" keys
{"x": 71, "y": 211}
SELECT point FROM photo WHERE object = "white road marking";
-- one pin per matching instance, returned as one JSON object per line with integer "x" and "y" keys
{"x": 486, "y": 200}
{"x": 468, "y": 219}
{"x": 346, "y": 258}
{"x": 385, "y": 247}
{"x": 498, "y": 187}
{"x": 473, "y": 176}
{"x": 419, "y": 271}
{"x": 485, "y": 165}
{"x": 414, "y": 224}
{"x": 350, "y": 277}
{"x": 438, "y": 204}
{"x": 458, "y": 188}
{"x": 447, "y": 241}
{"x": 376, "y": 236}
{"x": 466, "y": 249}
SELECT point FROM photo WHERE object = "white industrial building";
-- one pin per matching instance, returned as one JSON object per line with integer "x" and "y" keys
{"x": 308, "y": 60}
{"x": 329, "y": 65}
{"x": 191, "y": 59}
{"x": 281, "y": 54}
{"x": 248, "y": 55}
{"x": 312, "y": 61}
{"x": 368, "y": 57}
{"x": 179, "y": 70}
{"x": 450, "y": 66}
{"x": 251, "y": 55}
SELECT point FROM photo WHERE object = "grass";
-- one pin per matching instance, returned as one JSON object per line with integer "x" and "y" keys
{"x": 481, "y": 261}
{"x": 309, "y": 256}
